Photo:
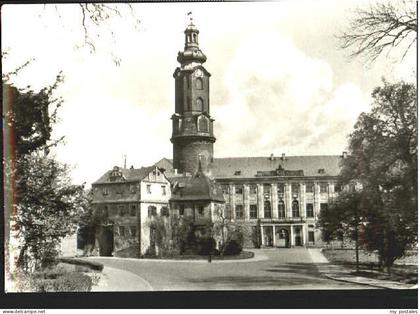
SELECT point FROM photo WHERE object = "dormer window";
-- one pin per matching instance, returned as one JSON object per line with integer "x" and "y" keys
{"x": 321, "y": 171}
{"x": 237, "y": 172}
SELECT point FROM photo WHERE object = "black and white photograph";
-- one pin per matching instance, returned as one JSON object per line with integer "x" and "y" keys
{"x": 202, "y": 147}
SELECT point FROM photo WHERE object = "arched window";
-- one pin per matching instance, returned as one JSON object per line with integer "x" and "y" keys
{"x": 267, "y": 209}
{"x": 203, "y": 125}
{"x": 151, "y": 211}
{"x": 199, "y": 104}
{"x": 295, "y": 208}
{"x": 281, "y": 209}
{"x": 199, "y": 83}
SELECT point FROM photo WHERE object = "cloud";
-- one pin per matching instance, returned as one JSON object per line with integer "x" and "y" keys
{"x": 281, "y": 100}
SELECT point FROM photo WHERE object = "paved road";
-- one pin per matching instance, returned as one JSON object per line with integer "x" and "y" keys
{"x": 274, "y": 269}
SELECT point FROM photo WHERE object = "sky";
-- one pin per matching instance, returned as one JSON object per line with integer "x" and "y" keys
{"x": 280, "y": 83}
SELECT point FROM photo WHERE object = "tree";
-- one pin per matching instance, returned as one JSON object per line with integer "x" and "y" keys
{"x": 380, "y": 28}
{"x": 45, "y": 205}
{"x": 344, "y": 217}
{"x": 46, "y": 210}
{"x": 383, "y": 161}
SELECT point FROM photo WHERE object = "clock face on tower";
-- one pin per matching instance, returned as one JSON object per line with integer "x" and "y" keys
{"x": 198, "y": 73}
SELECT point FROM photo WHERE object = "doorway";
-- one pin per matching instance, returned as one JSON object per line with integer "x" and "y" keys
{"x": 298, "y": 236}
{"x": 268, "y": 236}
{"x": 106, "y": 240}
{"x": 282, "y": 237}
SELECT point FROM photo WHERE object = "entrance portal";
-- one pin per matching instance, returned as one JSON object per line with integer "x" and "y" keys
{"x": 106, "y": 240}
{"x": 282, "y": 237}
{"x": 298, "y": 236}
{"x": 268, "y": 236}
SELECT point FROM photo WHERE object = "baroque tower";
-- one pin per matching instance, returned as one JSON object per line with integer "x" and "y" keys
{"x": 192, "y": 126}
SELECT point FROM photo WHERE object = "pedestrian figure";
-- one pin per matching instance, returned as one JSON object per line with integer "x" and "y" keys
{"x": 209, "y": 260}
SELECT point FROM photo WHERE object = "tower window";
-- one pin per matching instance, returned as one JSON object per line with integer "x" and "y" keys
{"x": 203, "y": 124}
{"x": 199, "y": 104}
{"x": 199, "y": 83}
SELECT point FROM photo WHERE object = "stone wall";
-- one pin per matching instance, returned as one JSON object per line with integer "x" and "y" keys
{"x": 186, "y": 155}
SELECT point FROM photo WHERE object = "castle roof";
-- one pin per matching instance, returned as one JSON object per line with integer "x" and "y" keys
{"x": 126, "y": 174}
{"x": 250, "y": 167}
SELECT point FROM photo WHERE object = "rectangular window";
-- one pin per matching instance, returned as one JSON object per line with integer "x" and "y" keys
{"x": 164, "y": 211}
{"x": 239, "y": 189}
{"x": 133, "y": 231}
{"x": 310, "y": 210}
{"x": 163, "y": 190}
{"x": 309, "y": 188}
{"x": 121, "y": 210}
{"x": 228, "y": 213}
{"x": 311, "y": 236}
{"x": 252, "y": 189}
{"x": 253, "y": 211}
{"x": 324, "y": 188}
{"x": 295, "y": 188}
{"x": 281, "y": 209}
{"x": 239, "y": 212}
{"x": 132, "y": 188}
{"x": 266, "y": 188}
{"x": 121, "y": 231}
{"x": 119, "y": 189}
{"x": 324, "y": 206}
{"x": 149, "y": 189}
{"x": 181, "y": 210}
{"x": 133, "y": 210}
{"x": 201, "y": 210}
{"x": 105, "y": 191}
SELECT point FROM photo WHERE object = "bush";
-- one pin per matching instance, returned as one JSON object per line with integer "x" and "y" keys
{"x": 232, "y": 247}
{"x": 56, "y": 280}
{"x": 206, "y": 246}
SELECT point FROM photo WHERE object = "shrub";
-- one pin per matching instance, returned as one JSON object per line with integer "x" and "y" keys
{"x": 232, "y": 247}
{"x": 206, "y": 246}
{"x": 56, "y": 280}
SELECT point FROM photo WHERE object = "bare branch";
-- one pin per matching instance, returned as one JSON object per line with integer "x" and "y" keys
{"x": 378, "y": 29}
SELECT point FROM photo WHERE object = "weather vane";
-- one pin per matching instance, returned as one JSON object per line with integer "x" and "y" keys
{"x": 191, "y": 17}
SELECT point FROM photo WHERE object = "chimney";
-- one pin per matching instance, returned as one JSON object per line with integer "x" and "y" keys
{"x": 283, "y": 156}
{"x": 344, "y": 156}
{"x": 272, "y": 157}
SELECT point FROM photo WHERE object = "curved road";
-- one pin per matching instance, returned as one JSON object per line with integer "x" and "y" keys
{"x": 272, "y": 269}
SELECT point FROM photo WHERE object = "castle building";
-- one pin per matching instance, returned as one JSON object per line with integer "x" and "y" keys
{"x": 127, "y": 200}
{"x": 282, "y": 195}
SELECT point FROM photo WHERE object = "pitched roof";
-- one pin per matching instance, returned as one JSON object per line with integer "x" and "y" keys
{"x": 128, "y": 174}
{"x": 248, "y": 167}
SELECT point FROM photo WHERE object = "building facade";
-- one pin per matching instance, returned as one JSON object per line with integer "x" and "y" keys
{"x": 127, "y": 200}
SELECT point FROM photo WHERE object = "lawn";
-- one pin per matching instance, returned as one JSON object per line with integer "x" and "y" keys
{"x": 369, "y": 265}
